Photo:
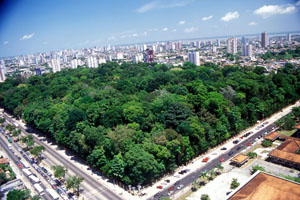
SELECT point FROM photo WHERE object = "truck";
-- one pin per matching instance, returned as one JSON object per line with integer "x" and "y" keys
{"x": 34, "y": 179}
{"x": 52, "y": 194}
{"x": 25, "y": 164}
{"x": 27, "y": 172}
{"x": 39, "y": 189}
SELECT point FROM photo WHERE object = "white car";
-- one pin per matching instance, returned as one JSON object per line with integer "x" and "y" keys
{"x": 180, "y": 186}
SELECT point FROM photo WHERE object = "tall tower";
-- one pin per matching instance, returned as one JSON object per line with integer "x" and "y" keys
{"x": 55, "y": 65}
{"x": 264, "y": 40}
{"x": 2, "y": 71}
{"x": 247, "y": 50}
{"x": 194, "y": 57}
{"x": 232, "y": 45}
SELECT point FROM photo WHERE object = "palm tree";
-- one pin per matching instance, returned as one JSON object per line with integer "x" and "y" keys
{"x": 203, "y": 177}
{"x": 219, "y": 168}
{"x": 212, "y": 174}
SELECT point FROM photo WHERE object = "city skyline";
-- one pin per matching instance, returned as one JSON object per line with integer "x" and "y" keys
{"x": 63, "y": 25}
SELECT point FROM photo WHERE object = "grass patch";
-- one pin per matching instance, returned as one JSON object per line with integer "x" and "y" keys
{"x": 288, "y": 133}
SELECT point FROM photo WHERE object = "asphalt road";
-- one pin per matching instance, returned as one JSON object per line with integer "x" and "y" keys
{"x": 15, "y": 159}
{"x": 108, "y": 194}
{"x": 212, "y": 163}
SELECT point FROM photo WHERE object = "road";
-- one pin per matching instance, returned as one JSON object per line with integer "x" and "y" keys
{"x": 187, "y": 180}
{"x": 104, "y": 191}
{"x": 15, "y": 159}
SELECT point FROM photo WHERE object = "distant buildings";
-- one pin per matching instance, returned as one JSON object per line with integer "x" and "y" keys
{"x": 264, "y": 40}
{"x": 92, "y": 62}
{"x": 194, "y": 57}
{"x": 289, "y": 37}
{"x": 148, "y": 56}
{"x": 137, "y": 58}
{"x": 247, "y": 50}
{"x": 38, "y": 71}
{"x": 75, "y": 63}
{"x": 55, "y": 63}
{"x": 244, "y": 40}
{"x": 232, "y": 45}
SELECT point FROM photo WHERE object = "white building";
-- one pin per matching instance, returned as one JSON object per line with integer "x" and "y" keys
{"x": 247, "y": 50}
{"x": 102, "y": 60}
{"x": 137, "y": 58}
{"x": 108, "y": 58}
{"x": 194, "y": 57}
{"x": 232, "y": 45}
{"x": 75, "y": 63}
{"x": 2, "y": 72}
{"x": 119, "y": 56}
{"x": 92, "y": 62}
{"x": 198, "y": 44}
{"x": 55, "y": 63}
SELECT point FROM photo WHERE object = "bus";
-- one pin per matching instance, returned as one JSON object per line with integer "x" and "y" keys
{"x": 25, "y": 164}
{"x": 52, "y": 194}
{"x": 39, "y": 189}
{"x": 34, "y": 179}
{"x": 27, "y": 172}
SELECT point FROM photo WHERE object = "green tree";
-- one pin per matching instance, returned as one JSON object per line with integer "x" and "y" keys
{"x": 219, "y": 167}
{"x": 234, "y": 183}
{"x": 205, "y": 197}
{"x": 37, "y": 151}
{"x": 267, "y": 143}
{"x": 252, "y": 154}
{"x": 257, "y": 167}
{"x": 59, "y": 171}
{"x": 28, "y": 140}
{"x": 73, "y": 182}
{"x": 18, "y": 194}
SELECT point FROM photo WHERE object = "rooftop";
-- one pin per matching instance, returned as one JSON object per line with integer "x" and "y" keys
{"x": 3, "y": 161}
{"x": 272, "y": 136}
{"x": 297, "y": 126}
{"x": 267, "y": 187}
{"x": 240, "y": 158}
{"x": 287, "y": 150}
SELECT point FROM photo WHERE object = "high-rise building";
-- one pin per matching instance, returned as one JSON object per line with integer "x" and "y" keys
{"x": 137, "y": 58}
{"x": 213, "y": 49}
{"x": 149, "y": 56}
{"x": 289, "y": 37}
{"x": 119, "y": 56}
{"x": 55, "y": 65}
{"x": 247, "y": 50}
{"x": 264, "y": 40}
{"x": 2, "y": 71}
{"x": 243, "y": 40}
{"x": 108, "y": 58}
{"x": 218, "y": 43}
{"x": 194, "y": 57}
{"x": 38, "y": 71}
{"x": 92, "y": 62}
{"x": 232, "y": 45}
{"x": 198, "y": 44}
{"x": 74, "y": 63}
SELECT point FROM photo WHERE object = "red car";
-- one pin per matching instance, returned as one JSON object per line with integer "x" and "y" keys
{"x": 171, "y": 188}
{"x": 205, "y": 159}
{"x": 222, "y": 160}
{"x": 159, "y": 187}
{"x": 249, "y": 144}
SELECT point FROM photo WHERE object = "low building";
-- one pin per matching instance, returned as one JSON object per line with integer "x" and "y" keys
{"x": 272, "y": 136}
{"x": 264, "y": 186}
{"x": 288, "y": 153}
{"x": 3, "y": 161}
{"x": 239, "y": 160}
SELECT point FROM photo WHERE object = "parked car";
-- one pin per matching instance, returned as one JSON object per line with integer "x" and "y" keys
{"x": 180, "y": 186}
{"x": 249, "y": 144}
{"x": 222, "y": 160}
{"x": 205, "y": 159}
{"x": 167, "y": 180}
{"x": 171, "y": 188}
{"x": 235, "y": 141}
{"x": 159, "y": 187}
{"x": 230, "y": 153}
{"x": 238, "y": 148}
{"x": 224, "y": 148}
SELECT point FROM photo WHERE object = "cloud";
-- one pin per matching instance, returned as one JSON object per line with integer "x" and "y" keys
{"x": 5, "y": 42}
{"x": 112, "y": 38}
{"x": 252, "y": 23}
{"x": 45, "y": 43}
{"x": 165, "y": 29}
{"x": 191, "y": 29}
{"x": 174, "y": 30}
{"x": 269, "y": 10}
{"x": 134, "y": 35}
{"x": 26, "y": 37}
{"x": 230, "y": 16}
{"x": 162, "y": 4}
{"x": 207, "y": 18}
{"x": 145, "y": 33}
{"x": 298, "y": 3}
{"x": 146, "y": 7}
{"x": 181, "y": 22}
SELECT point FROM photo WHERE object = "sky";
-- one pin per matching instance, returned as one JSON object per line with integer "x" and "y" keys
{"x": 32, "y": 26}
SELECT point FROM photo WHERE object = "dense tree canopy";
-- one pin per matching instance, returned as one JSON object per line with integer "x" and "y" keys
{"x": 136, "y": 122}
